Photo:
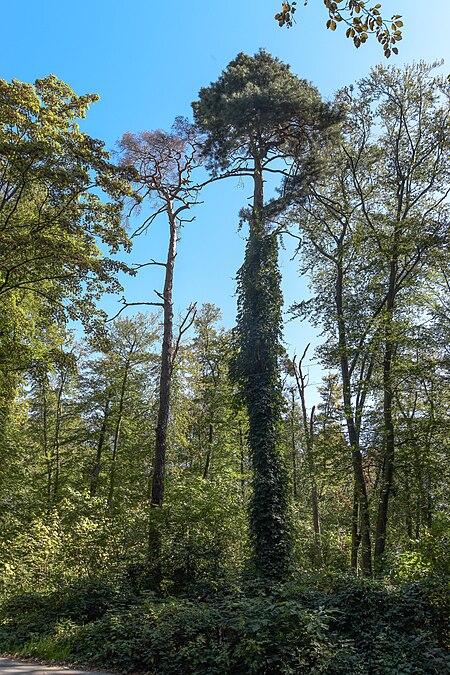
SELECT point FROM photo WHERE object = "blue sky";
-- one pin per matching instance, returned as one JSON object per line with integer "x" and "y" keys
{"x": 148, "y": 60}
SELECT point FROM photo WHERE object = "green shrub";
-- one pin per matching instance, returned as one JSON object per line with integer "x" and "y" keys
{"x": 395, "y": 628}
{"x": 234, "y": 635}
{"x": 26, "y": 617}
{"x": 336, "y": 626}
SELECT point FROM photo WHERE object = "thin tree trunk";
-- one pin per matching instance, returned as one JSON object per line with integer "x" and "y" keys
{"x": 308, "y": 428}
{"x": 356, "y": 536}
{"x": 412, "y": 443}
{"x": 428, "y": 454}
{"x": 358, "y": 471}
{"x": 98, "y": 457}
{"x": 388, "y": 461}
{"x": 293, "y": 449}
{"x": 165, "y": 381}
{"x": 57, "y": 443}
{"x": 117, "y": 429}
{"x": 408, "y": 518}
{"x": 388, "y": 398}
{"x": 48, "y": 457}
{"x": 157, "y": 492}
{"x": 208, "y": 453}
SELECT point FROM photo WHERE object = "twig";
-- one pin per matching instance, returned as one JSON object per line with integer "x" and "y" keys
{"x": 184, "y": 326}
{"x": 133, "y": 304}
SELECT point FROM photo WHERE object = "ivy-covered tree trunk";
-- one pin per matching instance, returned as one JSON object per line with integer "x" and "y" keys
{"x": 259, "y": 324}
{"x": 255, "y": 115}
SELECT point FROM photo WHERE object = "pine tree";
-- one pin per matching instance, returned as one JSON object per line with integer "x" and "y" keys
{"x": 257, "y": 112}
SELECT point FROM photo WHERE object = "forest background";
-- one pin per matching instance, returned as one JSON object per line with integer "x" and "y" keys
{"x": 125, "y": 557}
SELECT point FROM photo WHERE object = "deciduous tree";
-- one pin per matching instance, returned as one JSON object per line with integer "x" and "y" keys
{"x": 373, "y": 229}
{"x": 60, "y": 196}
{"x": 164, "y": 163}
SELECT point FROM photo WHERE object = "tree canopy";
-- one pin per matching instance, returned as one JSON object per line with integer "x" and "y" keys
{"x": 52, "y": 215}
{"x": 61, "y": 198}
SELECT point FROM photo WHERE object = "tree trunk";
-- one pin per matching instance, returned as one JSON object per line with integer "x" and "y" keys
{"x": 259, "y": 324}
{"x": 47, "y": 455}
{"x": 408, "y": 515}
{"x": 117, "y": 428}
{"x": 159, "y": 464}
{"x": 165, "y": 381}
{"x": 98, "y": 458}
{"x": 356, "y": 537}
{"x": 388, "y": 397}
{"x": 358, "y": 471}
{"x": 57, "y": 443}
{"x": 308, "y": 429}
{"x": 388, "y": 461}
{"x": 293, "y": 449}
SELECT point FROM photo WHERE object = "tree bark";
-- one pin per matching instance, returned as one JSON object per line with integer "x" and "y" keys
{"x": 388, "y": 398}
{"x": 117, "y": 428}
{"x": 308, "y": 429}
{"x": 358, "y": 471}
{"x": 165, "y": 380}
{"x": 45, "y": 443}
{"x": 293, "y": 449}
{"x": 356, "y": 536}
{"x": 260, "y": 327}
{"x": 98, "y": 457}
{"x": 57, "y": 443}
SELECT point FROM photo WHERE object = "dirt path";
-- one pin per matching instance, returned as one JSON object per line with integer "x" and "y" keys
{"x": 11, "y": 667}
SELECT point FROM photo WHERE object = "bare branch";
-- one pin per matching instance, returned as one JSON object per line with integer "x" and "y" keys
{"x": 134, "y": 304}
{"x": 184, "y": 326}
{"x": 138, "y": 266}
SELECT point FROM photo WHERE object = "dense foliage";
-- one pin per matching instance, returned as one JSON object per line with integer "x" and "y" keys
{"x": 277, "y": 514}
{"x": 350, "y": 626}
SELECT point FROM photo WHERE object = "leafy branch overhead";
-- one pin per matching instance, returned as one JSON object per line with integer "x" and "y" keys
{"x": 361, "y": 22}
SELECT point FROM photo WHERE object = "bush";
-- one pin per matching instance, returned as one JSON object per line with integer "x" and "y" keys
{"x": 335, "y": 626}
{"x": 26, "y": 617}
{"x": 395, "y": 628}
{"x": 233, "y": 635}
